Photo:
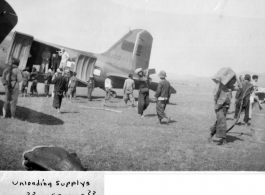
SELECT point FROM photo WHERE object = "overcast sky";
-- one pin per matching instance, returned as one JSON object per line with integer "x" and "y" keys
{"x": 196, "y": 37}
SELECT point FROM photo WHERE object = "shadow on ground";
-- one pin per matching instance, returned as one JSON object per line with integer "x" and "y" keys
{"x": 32, "y": 116}
{"x": 230, "y": 138}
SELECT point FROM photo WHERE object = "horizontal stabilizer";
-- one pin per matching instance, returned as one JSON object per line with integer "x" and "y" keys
{"x": 153, "y": 87}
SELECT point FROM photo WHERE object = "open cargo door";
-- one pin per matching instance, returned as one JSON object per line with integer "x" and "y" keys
{"x": 20, "y": 48}
{"x": 84, "y": 67}
{"x": 8, "y": 19}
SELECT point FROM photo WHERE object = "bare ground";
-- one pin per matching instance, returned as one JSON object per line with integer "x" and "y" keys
{"x": 124, "y": 141}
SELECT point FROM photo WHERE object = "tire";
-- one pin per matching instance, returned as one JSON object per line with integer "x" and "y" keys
{"x": 113, "y": 94}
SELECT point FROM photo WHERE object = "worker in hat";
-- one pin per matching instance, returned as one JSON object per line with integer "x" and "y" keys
{"x": 243, "y": 94}
{"x": 55, "y": 62}
{"x": 221, "y": 105}
{"x": 108, "y": 87}
{"x": 72, "y": 86}
{"x": 60, "y": 85}
{"x": 47, "y": 82}
{"x": 46, "y": 55}
{"x": 11, "y": 78}
{"x": 143, "y": 97}
{"x": 64, "y": 58}
{"x": 90, "y": 87}
{"x": 162, "y": 95}
{"x": 128, "y": 88}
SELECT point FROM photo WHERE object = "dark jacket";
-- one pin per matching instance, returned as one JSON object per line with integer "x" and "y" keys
{"x": 55, "y": 63}
{"x": 221, "y": 96}
{"x": 91, "y": 84}
{"x": 60, "y": 84}
{"x": 144, "y": 86}
{"x": 246, "y": 91}
{"x": 163, "y": 89}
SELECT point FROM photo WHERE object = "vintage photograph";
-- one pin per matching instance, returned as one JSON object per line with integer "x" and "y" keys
{"x": 143, "y": 85}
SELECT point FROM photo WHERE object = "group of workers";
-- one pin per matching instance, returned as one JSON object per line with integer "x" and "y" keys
{"x": 55, "y": 61}
{"x": 65, "y": 86}
{"x": 162, "y": 94}
{"x": 245, "y": 97}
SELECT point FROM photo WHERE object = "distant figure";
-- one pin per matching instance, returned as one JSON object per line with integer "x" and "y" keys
{"x": 65, "y": 58}
{"x": 244, "y": 95}
{"x": 47, "y": 82}
{"x": 253, "y": 96}
{"x": 55, "y": 62}
{"x": 25, "y": 83}
{"x": 60, "y": 83}
{"x": 90, "y": 88}
{"x": 46, "y": 55}
{"x": 162, "y": 95}
{"x": 34, "y": 75}
{"x": 222, "y": 102}
{"x": 128, "y": 88}
{"x": 10, "y": 79}
{"x": 72, "y": 86}
{"x": 241, "y": 78}
{"x": 108, "y": 87}
{"x": 67, "y": 76}
{"x": 143, "y": 97}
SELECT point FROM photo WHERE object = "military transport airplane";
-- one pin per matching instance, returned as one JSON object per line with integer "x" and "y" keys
{"x": 132, "y": 51}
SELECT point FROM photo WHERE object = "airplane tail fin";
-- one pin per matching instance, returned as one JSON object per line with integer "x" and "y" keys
{"x": 132, "y": 51}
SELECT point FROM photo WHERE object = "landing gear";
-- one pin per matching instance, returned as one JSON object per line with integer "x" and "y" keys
{"x": 113, "y": 94}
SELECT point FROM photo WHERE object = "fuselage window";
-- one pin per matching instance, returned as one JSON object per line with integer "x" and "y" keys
{"x": 127, "y": 46}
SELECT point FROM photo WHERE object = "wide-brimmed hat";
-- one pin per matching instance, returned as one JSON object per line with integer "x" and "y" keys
{"x": 162, "y": 74}
{"x": 138, "y": 70}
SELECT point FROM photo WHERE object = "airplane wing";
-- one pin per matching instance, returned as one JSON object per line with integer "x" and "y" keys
{"x": 8, "y": 19}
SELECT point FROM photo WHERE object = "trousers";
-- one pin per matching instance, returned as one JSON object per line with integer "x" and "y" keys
{"x": 46, "y": 89}
{"x": 160, "y": 109}
{"x": 219, "y": 128}
{"x": 143, "y": 103}
{"x": 13, "y": 102}
{"x": 89, "y": 93}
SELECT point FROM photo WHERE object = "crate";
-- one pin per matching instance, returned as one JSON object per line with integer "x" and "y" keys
{"x": 225, "y": 74}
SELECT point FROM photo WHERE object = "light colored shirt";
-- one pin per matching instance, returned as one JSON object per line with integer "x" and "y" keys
{"x": 129, "y": 85}
{"x": 108, "y": 83}
{"x": 65, "y": 56}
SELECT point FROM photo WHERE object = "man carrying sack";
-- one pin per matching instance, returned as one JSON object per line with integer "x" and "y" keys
{"x": 225, "y": 80}
{"x": 10, "y": 79}
{"x": 143, "y": 97}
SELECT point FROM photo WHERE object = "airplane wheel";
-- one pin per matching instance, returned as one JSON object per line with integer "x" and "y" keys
{"x": 114, "y": 94}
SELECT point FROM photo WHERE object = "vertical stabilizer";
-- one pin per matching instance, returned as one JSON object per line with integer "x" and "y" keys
{"x": 132, "y": 51}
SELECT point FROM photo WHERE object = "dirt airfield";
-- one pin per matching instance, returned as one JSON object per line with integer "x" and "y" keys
{"x": 113, "y": 141}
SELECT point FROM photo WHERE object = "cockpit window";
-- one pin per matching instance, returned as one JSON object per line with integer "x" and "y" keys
{"x": 127, "y": 46}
